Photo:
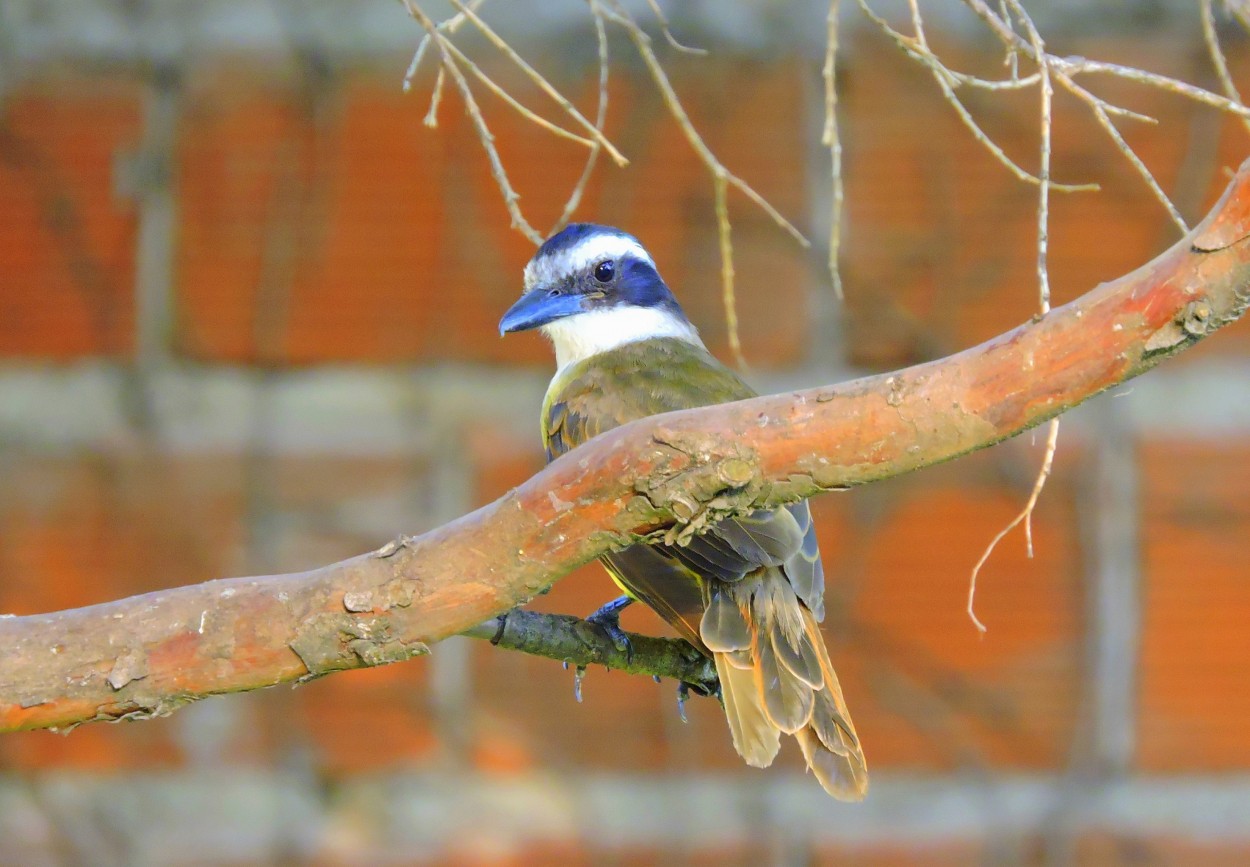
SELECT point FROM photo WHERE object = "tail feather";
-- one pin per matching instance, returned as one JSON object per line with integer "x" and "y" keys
{"x": 755, "y": 739}
{"x": 784, "y": 682}
{"x": 801, "y": 658}
{"x": 788, "y": 700}
{"x": 829, "y": 742}
{"x": 841, "y": 776}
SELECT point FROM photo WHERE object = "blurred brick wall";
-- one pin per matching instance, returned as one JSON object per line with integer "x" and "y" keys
{"x": 325, "y": 238}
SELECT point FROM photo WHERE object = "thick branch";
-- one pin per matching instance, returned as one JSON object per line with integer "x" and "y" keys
{"x": 667, "y": 476}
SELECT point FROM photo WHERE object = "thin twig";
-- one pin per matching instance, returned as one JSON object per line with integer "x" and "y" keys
{"x": 727, "y": 268}
{"x": 1063, "y": 71}
{"x": 436, "y": 98}
{"x": 1025, "y": 514}
{"x": 450, "y": 26}
{"x": 917, "y": 47}
{"x": 832, "y": 139}
{"x": 1212, "y": 38}
{"x": 484, "y": 135}
{"x": 533, "y": 75}
{"x": 601, "y": 116}
{"x": 643, "y": 43}
{"x": 1081, "y": 65}
{"x": 721, "y": 176}
{"x": 1104, "y": 120}
{"x": 668, "y": 33}
{"x": 1043, "y": 297}
{"x": 1043, "y": 202}
{"x": 529, "y": 115}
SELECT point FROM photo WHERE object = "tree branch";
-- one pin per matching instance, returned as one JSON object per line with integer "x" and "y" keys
{"x": 578, "y": 642}
{"x": 662, "y": 478}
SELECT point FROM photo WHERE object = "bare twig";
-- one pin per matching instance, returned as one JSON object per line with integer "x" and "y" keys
{"x": 601, "y": 116}
{"x": 668, "y": 33}
{"x": 1043, "y": 299}
{"x": 1046, "y": 122}
{"x": 510, "y": 195}
{"x": 917, "y": 48}
{"x": 1080, "y": 65}
{"x": 1025, "y": 514}
{"x": 720, "y": 174}
{"x": 1063, "y": 71}
{"x": 533, "y": 75}
{"x": 513, "y": 103}
{"x": 832, "y": 139}
{"x": 1212, "y": 39}
{"x": 727, "y": 267}
{"x": 436, "y": 98}
{"x": 451, "y": 25}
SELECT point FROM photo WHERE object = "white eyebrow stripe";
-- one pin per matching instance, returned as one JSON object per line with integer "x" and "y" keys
{"x": 549, "y": 269}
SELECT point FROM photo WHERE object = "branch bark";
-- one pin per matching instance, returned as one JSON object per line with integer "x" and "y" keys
{"x": 662, "y": 478}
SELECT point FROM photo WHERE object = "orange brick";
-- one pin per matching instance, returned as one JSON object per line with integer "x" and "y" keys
{"x": 1194, "y": 643}
{"x": 344, "y": 230}
{"x": 90, "y": 529}
{"x": 125, "y": 746}
{"x": 367, "y": 720}
{"x": 67, "y": 241}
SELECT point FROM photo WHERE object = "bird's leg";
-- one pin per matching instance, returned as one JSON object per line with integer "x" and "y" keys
{"x": 608, "y": 618}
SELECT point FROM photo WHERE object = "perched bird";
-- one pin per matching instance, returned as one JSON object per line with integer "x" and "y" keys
{"x": 749, "y": 591}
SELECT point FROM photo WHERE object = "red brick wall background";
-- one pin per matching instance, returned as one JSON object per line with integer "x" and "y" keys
{"x": 323, "y": 228}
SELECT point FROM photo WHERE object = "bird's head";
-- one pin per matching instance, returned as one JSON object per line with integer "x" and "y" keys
{"x": 592, "y": 288}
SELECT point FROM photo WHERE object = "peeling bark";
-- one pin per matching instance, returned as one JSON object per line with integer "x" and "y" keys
{"x": 659, "y": 479}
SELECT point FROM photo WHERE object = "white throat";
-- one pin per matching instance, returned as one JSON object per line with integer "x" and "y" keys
{"x": 582, "y": 335}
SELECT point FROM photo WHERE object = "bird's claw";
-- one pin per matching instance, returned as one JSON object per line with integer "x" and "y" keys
{"x": 579, "y": 673}
{"x": 608, "y": 619}
{"x": 683, "y": 694}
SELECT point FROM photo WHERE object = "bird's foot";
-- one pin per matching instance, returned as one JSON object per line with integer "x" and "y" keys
{"x": 608, "y": 619}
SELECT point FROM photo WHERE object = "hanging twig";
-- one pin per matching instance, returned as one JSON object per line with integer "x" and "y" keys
{"x": 720, "y": 174}
{"x": 1212, "y": 39}
{"x": 510, "y": 195}
{"x": 1043, "y": 300}
{"x": 832, "y": 139}
{"x": 601, "y": 116}
{"x": 533, "y": 75}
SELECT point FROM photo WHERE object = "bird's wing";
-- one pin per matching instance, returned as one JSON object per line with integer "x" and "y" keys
{"x": 647, "y": 575}
{"x": 649, "y": 378}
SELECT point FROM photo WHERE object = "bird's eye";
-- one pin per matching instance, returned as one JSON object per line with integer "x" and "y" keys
{"x": 554, "y": 293}
{"x": 605, "y": 271}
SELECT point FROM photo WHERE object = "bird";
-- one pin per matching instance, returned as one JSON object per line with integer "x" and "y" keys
{"x": 749, "y": 591}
